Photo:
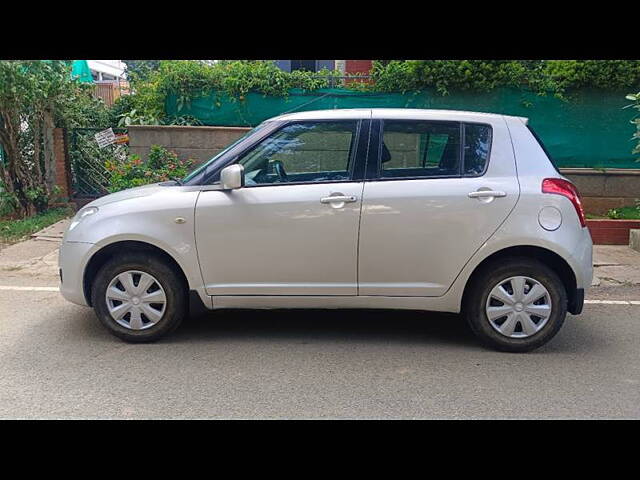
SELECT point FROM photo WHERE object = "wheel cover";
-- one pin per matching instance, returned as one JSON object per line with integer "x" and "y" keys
{"x": 136, "y": 300}
{"x": 518, "y": 307}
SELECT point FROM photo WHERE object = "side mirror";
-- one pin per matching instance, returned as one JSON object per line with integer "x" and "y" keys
{"x": 232, "y": 177}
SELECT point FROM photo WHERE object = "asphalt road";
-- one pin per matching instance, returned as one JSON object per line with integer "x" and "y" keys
{"x": 56, "y": 361}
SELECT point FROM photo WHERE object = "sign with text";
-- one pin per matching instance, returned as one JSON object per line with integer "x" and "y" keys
{"x": 122, "y": 138}
{"x": 105, "y": 138}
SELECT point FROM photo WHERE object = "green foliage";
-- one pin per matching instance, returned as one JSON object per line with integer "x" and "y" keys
{"x": 139, "y": 70}
{"x": 189, "y": 79}
{"x": 558, "y": 77}
{"x": 625, "y": 213}
{"x": 447, "y": 75}
{"x": 635, "y": 98}
{"x": 124, "y": 104}
{"x": 13, "y": 230}
{"x": 9, "y": 202}
{"x": 567, "y": 75}
{"x": 161, "y": 166}
{"x": 80, "y": 109}
{"x": 136, "y": 118}
{"x": 185, "y": 120}
{"x": 35, "y": 97}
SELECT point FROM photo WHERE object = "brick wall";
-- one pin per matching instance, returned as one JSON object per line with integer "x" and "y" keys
{"x": 62, "y": 168}
{"x": 358, "y": 66}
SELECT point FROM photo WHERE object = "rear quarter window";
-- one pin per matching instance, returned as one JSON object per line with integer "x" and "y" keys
{"x": 544, "y": 148}
{"x": 477, "y": 147}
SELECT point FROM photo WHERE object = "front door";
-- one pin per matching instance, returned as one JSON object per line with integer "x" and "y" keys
{"x": 293, "y": 228}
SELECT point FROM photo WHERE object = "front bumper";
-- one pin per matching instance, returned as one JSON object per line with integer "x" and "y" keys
{"x": 72, "y": 260}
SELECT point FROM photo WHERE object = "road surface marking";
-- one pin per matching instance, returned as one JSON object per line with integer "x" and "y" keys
{"x": 613, "y": 302}
{"x": 30, "y": 289}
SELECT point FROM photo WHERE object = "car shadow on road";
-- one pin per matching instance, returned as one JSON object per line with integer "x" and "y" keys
{"x": 311, "y": 326}
{"x": 327, "y": 325}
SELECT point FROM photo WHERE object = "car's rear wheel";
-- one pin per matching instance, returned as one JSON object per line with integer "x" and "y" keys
{"x": 138, "y": 297}
{"x": 517, "y": 306}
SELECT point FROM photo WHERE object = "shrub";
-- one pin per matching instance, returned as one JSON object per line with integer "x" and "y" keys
{"x": 162, "y": 165}
{"x": 189, "y": 79}
{"x": 558, "y": 77}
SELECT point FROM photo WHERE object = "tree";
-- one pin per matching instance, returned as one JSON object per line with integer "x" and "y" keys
{"x": 35, "y": 97}
{"x": 139, "y": 70}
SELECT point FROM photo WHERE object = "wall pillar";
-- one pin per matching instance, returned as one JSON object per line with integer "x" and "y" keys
{"x": 62, "y": 167}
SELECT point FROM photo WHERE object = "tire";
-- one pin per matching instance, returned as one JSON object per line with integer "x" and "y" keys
{"x": 513, "y": 337}
{"x": 166, "y": 283}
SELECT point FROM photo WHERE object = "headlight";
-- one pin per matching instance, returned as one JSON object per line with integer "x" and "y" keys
{"x": 84, "y": 212}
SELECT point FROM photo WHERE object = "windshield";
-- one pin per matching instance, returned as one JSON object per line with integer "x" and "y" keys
{"x": 204, "y": 165}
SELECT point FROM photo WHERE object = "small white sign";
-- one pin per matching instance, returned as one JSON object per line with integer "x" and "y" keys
{"x": 105, "y": 138}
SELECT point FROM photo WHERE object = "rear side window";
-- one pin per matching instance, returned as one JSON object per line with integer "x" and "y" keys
{"x": 420, "y": 149}
{"x": 477, "y": 145}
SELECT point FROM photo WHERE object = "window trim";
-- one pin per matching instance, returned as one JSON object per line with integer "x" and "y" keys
{"x": 374, "y": 171}
{"x": 354, "y": 155}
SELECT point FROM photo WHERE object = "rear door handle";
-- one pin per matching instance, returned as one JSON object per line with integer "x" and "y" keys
{"x": 338, "y": 199}
{"x": 487, "y": 194}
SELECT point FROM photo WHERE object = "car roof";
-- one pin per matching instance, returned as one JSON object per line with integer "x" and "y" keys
{"x": 394, "y": 113}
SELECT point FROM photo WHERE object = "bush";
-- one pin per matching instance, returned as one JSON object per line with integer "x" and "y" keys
{"x": 9, "y": 203}
{"x": 189, "y": 79}
{"x": 161, "y": 166}
{"x": 558, "y": 77}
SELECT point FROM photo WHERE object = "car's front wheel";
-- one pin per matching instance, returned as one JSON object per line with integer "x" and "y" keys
{"x": 138, "y": 297}
{"x": 517, "y": 306}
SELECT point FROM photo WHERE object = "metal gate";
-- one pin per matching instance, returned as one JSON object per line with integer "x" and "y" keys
{"x": 89, "y": 176}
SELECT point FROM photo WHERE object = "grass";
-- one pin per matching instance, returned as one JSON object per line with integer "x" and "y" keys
{"x": 12, "y": 231}
{"x": 624, "y": 213}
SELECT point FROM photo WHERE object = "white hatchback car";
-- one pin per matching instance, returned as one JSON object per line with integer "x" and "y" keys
{"x": 366, "y": 208}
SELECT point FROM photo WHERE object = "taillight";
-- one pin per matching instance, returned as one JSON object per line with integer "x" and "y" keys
{"x": 567, "y": 189}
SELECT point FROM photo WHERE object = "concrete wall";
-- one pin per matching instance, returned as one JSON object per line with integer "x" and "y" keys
{"x": 197, "y": 143}
{"x": 600, "y": 191}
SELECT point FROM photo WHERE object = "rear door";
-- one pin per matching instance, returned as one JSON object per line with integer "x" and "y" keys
{"x": 435, "y": 192}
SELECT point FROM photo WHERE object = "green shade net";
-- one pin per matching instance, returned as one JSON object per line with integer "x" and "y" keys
{"x": 591, "y": 130}
{"x": 80, "y": 71}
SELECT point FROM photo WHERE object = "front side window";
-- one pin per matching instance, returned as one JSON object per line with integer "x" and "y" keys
{"x": 420, "y": 149}
{"x": 303, "y": 152}
{"x": 210, "y": 164}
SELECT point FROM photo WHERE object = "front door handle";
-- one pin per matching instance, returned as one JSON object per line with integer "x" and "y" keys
{"x": 338, "y": 199}
{"x": 487, "y": 194}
